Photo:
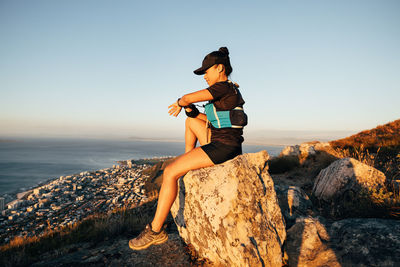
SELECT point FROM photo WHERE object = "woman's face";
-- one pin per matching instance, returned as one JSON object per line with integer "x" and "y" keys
{"x": 213, "y": 74}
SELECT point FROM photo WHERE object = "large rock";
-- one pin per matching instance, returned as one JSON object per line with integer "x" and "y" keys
{"x": 230, "y": 214}
{"x": 347, "y": 186}
{"x": 348, "y": 242}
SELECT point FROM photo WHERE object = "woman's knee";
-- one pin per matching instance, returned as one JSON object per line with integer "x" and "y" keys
{"x": 168, "y": 174}
{"x": 189, "y": 122}
{"x": 196, "y": 125}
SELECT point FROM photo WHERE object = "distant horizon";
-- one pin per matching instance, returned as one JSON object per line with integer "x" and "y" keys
{"x": 253, "y": 135}
{"x": 264, "y": 137}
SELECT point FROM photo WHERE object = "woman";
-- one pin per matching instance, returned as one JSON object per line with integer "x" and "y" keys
{"x": 224, "y": 120}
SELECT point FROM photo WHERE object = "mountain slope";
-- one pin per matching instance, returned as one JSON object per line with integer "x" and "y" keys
{"x": 387, "y": 135}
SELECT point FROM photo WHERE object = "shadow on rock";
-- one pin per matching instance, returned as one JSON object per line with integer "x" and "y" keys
{"x": 348, "y": 242}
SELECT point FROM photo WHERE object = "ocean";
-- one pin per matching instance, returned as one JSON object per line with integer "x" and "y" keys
{"x": 24, "y": 163}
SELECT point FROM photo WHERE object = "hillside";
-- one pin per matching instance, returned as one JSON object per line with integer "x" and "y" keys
{"x": 378, "y": 147}
{"x": 387, "y": 135}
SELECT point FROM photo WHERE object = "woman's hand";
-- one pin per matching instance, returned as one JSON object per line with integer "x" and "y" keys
{"x": 174, "y": 109}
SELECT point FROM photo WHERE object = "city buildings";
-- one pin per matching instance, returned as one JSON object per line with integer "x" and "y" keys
{"x": 67, "y": 200}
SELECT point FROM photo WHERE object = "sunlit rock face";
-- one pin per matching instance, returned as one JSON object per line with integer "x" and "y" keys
{"x": 230, "y": 213}
{"x": 347, "y": 186}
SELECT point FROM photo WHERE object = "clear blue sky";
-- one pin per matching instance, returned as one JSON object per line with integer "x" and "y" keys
{"x": 111, "y": 68}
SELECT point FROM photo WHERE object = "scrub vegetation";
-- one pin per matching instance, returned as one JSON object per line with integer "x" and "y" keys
{"x": 22, "y": 251}
{"x": 387, "y": 135}
{"x": 378, "y": 147}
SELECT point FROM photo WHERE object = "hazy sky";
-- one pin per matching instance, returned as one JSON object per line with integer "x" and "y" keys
{"x": 111, "y": 68}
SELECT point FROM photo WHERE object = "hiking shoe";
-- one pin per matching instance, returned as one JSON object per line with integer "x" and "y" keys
{"x": 147, "y": 238}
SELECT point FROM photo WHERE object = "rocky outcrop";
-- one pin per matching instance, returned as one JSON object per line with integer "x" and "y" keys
{"x": 348, "y": 242}
{"x": 304, "y": 149}
{"x": 347, "y": 186}
{"x": 230, "y": 214}
{"x": 294, "y": 203}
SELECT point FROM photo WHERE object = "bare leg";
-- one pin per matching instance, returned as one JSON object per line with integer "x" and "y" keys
{"x": 194, "y": 159}
{"x": 195, "y": 129}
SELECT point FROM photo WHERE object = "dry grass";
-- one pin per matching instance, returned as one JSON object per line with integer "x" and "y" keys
{"x": 378, "y": 147}
{"x": 95, "y": 228}
{"x": 309, "y": 165}
{"x": 359, "y": 153}
{"x": 377, "y": 203}
{"x": 385, "y": 159}
{"x": 283, "y": 164}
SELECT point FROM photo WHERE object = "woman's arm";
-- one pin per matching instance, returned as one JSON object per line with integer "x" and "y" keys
{"x": 198, "y": 96}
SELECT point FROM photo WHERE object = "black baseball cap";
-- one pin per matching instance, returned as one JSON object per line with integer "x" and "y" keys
{"x": 217, "y": 57}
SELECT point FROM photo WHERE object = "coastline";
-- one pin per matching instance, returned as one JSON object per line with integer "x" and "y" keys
{"x": 32, "y": 162}
{"x": 22, "y": 193}
{"x": 67, "y": 200}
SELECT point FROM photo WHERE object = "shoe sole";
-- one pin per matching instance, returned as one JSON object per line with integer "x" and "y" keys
{"x": 158, "y": 242}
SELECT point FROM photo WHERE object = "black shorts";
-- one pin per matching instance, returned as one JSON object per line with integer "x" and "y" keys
{"x": 219, "y": 152}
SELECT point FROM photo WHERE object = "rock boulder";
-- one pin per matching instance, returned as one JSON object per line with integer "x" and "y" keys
{"x": 230, "y": 214}
{"x": 347, "y": 187}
